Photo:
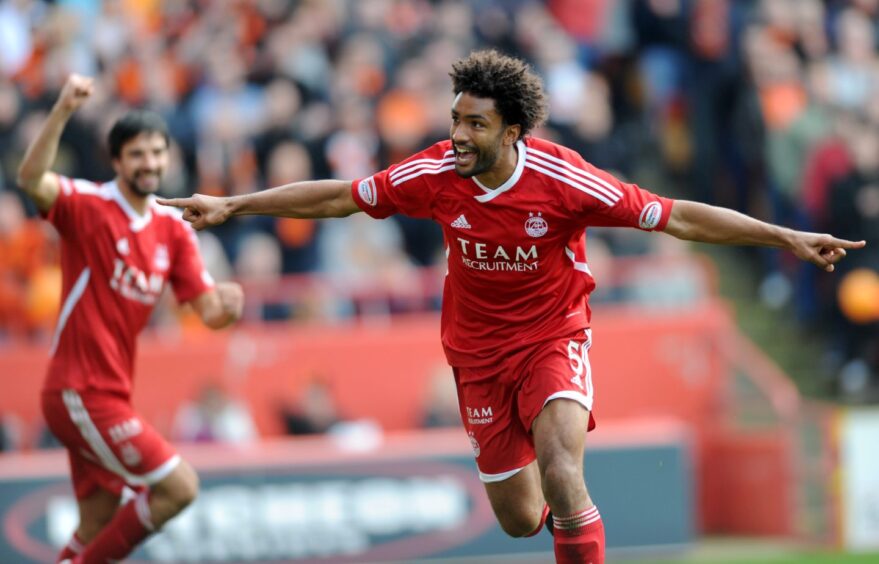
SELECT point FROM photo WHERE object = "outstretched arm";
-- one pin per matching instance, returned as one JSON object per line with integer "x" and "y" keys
{"x": 33, "y": 172}
{"x": 309, "y": 199}
{"x": 693, "y": 221}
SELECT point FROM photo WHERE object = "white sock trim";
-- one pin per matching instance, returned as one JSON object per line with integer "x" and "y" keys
{"x": 142, "y": 508}
{"x": 577, "y": 520}
{"x": 74, "y": 545}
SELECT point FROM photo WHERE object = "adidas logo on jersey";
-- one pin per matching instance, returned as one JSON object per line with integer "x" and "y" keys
{"x": 461, "y": 222}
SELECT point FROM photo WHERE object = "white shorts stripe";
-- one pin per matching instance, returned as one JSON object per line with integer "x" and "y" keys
{"x": 583, "y": 399}
{"x": 72, "y": 299}
{"x": 493, "y": 478}
{"x": 570, "y": 182}
{"x": 80, "y": 416}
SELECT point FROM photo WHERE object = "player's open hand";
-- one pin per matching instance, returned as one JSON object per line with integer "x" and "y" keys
{"x": 75, "y": 92}
{"x": 822, "y": 250}
{"x": 200, "y": 210}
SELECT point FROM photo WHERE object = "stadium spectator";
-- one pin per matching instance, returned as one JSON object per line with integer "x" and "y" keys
{"x": 214, "y": 417}
{"x": 680, "y": 78}
{"x": 315, "y": 412}
{"x": 515, "y": 325}
{"x": 118, "y": 250}
{"x": 29, "y": 281}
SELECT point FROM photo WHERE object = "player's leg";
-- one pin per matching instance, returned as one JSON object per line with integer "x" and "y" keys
{"x": 96, "y": 510}
{"x": 559, "y": 438}
{"x": 142, "y": 516}
{"x": 504, "y": 451}
{"x": 123, "y": 450}
{"x": 97, "y": 505}
{"x": 173, "y": 494}
{"x": 518, "y": 502}
{"x": 559, "y": 385}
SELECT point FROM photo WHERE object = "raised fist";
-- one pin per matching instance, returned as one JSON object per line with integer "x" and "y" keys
{"x": 75, "y": 92}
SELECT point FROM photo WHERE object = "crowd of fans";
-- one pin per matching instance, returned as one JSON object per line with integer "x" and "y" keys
{"x": 767, "y": 106}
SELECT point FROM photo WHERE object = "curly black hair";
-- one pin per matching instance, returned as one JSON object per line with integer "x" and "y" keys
{"x": 516, "y": 89}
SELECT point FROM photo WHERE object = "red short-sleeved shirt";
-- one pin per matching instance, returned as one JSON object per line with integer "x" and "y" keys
{"x": 115, "y": 264}
{"x": 518, "y": 272}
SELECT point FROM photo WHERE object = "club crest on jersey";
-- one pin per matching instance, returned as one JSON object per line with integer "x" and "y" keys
{"x": 160, "y": 259}
{"x": 535, "y": 225}
{"x": 368, "y": 193}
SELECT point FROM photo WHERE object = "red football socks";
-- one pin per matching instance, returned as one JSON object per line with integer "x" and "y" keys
{"x": 579, "y": 538}
{"x": 74, "y": 547}
{"x": 129, "y": 527}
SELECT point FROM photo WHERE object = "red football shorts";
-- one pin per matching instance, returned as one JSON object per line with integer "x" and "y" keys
{"x": 499, "y": 403}
{"x": 108, "y": 443}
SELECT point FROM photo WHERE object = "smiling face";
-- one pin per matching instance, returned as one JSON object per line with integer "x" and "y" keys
{"x": 480, "y": 139}
{"x": 142, "y": 162}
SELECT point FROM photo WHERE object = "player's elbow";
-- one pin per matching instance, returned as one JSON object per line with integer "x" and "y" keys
{"x": 26, "y": 180}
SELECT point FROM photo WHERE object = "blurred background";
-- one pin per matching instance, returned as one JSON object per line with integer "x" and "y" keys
{"x": 742, "y": 431}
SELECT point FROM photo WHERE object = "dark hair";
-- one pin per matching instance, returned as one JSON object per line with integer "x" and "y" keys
{"x": 133, "y": 124}
{"x": 516, "y": 89}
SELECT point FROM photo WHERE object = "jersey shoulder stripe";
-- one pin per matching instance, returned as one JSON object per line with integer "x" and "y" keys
{"x": 407, "y": 167}
{"x": 439, "y": 167}
{"x": 421, "y": 166}
{"x": 581, "y": 173}
{"x": 85, "y": 187}
{"x": 561, "y": 177}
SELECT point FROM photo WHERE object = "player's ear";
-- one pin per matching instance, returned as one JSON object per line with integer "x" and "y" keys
{"x": 512, "y": 134}
{"x": 117, "y": 165}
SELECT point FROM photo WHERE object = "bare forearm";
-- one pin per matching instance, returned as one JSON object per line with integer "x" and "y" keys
{"x": 693, "y": 221}
{"x": 41, "y": 153}
{"x": 309, "y": 199}
{"x": 220, "y": 307}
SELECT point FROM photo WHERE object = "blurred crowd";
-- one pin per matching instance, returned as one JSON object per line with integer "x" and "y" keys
{"x": 770, "y": 107}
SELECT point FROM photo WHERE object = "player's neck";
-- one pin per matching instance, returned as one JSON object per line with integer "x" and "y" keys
{"x": 502, "y": 170}
{"x": 138, "y": 203}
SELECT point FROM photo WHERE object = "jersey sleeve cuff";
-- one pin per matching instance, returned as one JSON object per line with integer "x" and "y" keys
{"x": 365, "y": 194}
{"x": 667, "y": 205}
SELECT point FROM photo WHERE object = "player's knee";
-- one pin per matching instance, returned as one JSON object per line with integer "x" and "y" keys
{"x": 187, "y": 489}
{"x": 177, "y": 491}
{"x": 520, "y": 523}
{"x": 561, "y": 480}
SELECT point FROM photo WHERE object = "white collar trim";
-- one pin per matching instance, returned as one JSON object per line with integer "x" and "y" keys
{"x": 137, "y": 220}
{"x": 492, "y": 193}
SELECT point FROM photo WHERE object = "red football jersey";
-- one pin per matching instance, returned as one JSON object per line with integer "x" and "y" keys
{"x": 517, "y": 264}
{"x": 114, "y": 265}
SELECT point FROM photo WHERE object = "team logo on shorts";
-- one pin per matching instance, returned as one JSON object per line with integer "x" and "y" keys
{"x": 366, "y": 190}
{"x": 650, "y": 215}
{"x": 535, "y": 225}
{"x": 474, "y": 444}
{"x": 130, "y": 455}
